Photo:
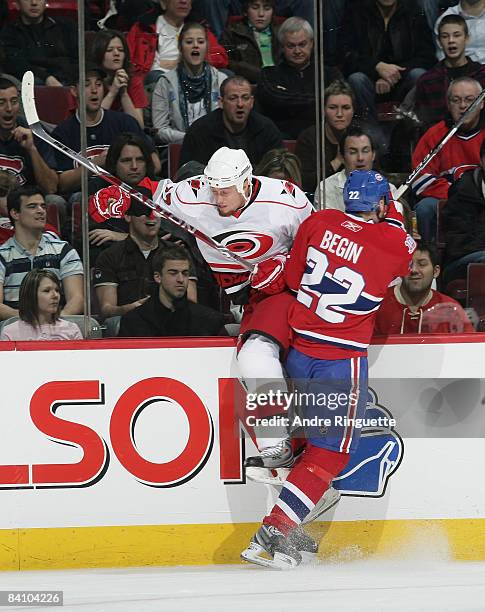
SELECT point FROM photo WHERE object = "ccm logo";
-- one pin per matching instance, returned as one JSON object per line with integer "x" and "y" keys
{"x": 96, "y": 453}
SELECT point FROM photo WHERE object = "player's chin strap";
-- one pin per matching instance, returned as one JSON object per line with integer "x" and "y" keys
{"x": 28, "y": 102}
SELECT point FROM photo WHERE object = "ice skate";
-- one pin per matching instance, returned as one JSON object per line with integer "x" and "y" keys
{"x": 259, "y": 467}
{"x": 304, "y": 543}
{"x": 270, "y": 548}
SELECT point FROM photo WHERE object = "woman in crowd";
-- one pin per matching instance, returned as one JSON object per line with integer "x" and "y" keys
{"x": 338, "y": 102}
{"x": 280, "y": 164}
{"x": 183, "y": 95}
{"x": 39, "y": 311}
{"x": 253, "y": 42}
{"x": 109, "y": 50}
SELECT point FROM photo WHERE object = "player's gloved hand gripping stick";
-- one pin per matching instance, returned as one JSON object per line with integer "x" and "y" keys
{"x": 35, "y": 125}
{"x": 420, "y": 167}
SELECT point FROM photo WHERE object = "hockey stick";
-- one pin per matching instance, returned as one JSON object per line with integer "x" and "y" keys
{"x": 420, "y": 167}
{"x": 35, "y": 125}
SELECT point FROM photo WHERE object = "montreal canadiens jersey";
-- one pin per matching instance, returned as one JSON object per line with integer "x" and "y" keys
{"x": 340, "y": 266}
{"x": 265, "y": 226}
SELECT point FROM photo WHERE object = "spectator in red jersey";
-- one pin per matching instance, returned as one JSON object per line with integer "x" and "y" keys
{"x": 109, "y": 50}
{"x": 190, "y": 91}
{"x": 458, "y": 154}
{"x": 431, "y": 88}
{"x": 414, "y": 308}
{"x": 253, "y": 43}
{"x": 40, "y": 311}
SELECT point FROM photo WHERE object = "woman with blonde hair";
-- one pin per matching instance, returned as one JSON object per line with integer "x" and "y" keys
{"x": 39, "y": 311}
{"x": 280, "y": 164}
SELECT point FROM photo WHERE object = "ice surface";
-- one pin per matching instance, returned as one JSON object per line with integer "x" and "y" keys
{"x": 344, "y": 587}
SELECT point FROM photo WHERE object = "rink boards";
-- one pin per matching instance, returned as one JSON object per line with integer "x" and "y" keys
{"x": 124, "y": 453}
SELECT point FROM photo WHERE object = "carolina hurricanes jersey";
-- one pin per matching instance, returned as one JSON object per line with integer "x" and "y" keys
{"x": 265, "y": 226}
{"x": 340, "y": 266}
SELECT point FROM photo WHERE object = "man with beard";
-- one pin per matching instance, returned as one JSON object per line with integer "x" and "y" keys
{"x": 414, "y": 308}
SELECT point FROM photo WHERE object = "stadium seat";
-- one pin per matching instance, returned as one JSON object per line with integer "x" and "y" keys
{"x": 54, "y": 104}
{"x": 75, "y": 221}
{"x": 476, "y": 288}
{"x": 95, "y": 331}
{"x": 173, "y": 159}
{"x": 53, "y": 217}
{"x": 290, "y": 145}
{"x": 440, "y": 234}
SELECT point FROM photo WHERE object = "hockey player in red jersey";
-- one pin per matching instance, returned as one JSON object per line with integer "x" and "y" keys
{"x": 340, "y": 267}
{"x": 257, "y": 218}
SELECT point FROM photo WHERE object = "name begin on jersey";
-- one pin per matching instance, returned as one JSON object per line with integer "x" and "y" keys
{"x": 340, "y": 246}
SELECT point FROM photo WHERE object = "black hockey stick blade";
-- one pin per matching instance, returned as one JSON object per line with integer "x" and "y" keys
{"x": 420, "y": 167}
{"x": 30, "y": 110}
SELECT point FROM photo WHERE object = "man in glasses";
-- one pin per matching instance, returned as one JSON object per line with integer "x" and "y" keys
{"x": 460, "y": 153}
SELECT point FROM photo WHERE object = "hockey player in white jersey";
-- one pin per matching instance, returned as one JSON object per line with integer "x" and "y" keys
{"x": 257, "y": 218}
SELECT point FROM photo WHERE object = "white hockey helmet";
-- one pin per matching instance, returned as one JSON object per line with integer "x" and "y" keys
{"x": 228, "y": 167}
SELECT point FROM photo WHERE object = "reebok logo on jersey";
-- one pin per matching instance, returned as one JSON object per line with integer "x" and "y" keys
{"x": 353, "y": 227}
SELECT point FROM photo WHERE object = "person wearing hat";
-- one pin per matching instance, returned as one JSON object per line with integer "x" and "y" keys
{"x": 102, "y": 127}
{"x": 123, "y": 273}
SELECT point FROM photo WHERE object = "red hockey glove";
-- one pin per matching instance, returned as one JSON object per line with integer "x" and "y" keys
{"x": 268, "y": 276}
{"x": 108, "y": 203}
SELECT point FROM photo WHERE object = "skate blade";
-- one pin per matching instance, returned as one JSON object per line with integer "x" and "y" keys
{"x": 308, "y": 558}
{"x": 329, "y": 500}
{"x": 274, "y": 477}
{"x": 254, "y": 554}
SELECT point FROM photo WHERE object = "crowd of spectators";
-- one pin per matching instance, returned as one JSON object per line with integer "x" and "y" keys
{"x": 169, "y": 82}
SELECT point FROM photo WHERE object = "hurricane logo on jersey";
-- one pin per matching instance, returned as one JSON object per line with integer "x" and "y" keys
{"x": 250, "y": 245}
